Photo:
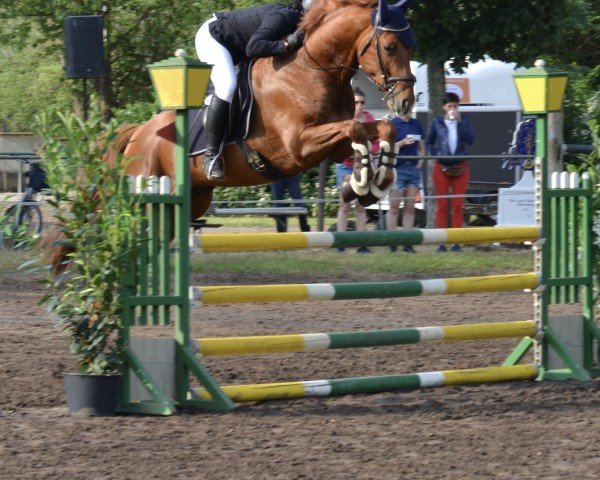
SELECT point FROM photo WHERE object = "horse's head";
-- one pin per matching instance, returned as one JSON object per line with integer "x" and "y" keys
{"x": 384, "y": 55}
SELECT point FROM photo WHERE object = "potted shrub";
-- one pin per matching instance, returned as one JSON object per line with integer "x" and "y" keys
{"x": 96, "y": 221}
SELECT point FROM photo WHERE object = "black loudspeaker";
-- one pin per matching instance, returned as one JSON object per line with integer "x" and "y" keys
{"x": 84, "y": 48}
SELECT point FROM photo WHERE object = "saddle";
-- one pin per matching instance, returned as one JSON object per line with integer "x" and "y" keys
{"x": 239, "y": 125}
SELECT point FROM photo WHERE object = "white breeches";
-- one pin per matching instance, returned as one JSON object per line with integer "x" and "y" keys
{"x": 212, "y": 52}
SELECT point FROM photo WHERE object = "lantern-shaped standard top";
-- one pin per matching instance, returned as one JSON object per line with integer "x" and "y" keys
{"x": 541, "y": 89}
{"x": 180, "y": 82}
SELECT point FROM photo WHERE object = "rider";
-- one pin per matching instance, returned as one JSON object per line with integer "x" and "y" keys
{"x": 227, "y": 39}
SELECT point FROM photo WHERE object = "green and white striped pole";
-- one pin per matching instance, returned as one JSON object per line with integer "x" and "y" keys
{"x": 223, "y": 294}
{"x": 376, "y": 384}
{"x": 310, "y": 342}
{"x": 253, "y": 242}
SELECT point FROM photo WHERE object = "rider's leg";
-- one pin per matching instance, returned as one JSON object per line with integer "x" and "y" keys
{"x": 217, "y": 121}
{"x": 224, "y": 81}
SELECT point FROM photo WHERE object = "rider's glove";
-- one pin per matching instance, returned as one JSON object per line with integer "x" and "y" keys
{"x": 294, "y": 40}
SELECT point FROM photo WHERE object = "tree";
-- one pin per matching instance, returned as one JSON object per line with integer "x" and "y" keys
{"x": 463, "y": 31}
{"x": 30, "y": 81}
{"x": 138, "y": 32}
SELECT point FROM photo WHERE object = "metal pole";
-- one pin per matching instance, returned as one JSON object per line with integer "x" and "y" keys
{"x": 542, "y": 253}
{"x": 321, "y": 195}
{"x": 85, "y": 100}
{"x": 181, "y": 264}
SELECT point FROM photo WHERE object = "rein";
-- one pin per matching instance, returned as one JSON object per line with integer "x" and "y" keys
{"x": 389, "y": 83}
{"x": 319, "y": 67}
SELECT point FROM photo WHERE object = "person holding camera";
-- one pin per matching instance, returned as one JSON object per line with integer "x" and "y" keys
{"x": 448, "y": 135}
{"x": 409, "y": 139}
{"x": 230, "y": 38}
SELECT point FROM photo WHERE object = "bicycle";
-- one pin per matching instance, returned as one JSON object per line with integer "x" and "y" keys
{"x": 23, "y": 221}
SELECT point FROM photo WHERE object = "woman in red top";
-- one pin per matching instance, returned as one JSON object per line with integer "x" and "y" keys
{"x": 345, "y": 168}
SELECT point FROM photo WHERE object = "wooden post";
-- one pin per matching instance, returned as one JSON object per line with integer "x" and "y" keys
{"x": 555, "y": 142}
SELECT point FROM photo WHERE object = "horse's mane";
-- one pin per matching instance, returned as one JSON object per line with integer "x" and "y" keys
{"x": 316, "y": 15}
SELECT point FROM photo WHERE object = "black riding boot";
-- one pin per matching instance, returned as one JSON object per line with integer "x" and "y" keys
{"x": 217, "y": 120}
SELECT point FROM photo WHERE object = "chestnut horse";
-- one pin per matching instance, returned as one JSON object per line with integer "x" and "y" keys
{"x": 304, "y": 105}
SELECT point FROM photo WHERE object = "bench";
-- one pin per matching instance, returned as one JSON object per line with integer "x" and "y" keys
{"x": 269, "y": 211}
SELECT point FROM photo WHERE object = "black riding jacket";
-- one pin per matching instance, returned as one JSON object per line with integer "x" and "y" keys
{"x": 256, "y": 31}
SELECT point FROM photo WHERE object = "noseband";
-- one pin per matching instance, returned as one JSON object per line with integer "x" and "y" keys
{"x": 389, "y": 83}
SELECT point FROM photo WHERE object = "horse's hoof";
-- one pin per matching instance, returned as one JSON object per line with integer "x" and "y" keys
{"x": 367, "y": 200}
{"x": 348, "y": 194}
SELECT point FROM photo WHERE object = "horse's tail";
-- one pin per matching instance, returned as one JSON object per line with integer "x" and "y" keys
{"x": 118, "y": 145}
{"x": 55, "y": 253}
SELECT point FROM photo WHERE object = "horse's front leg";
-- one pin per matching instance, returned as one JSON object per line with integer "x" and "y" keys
{"x": 337, "y": 141}
{"x": 357, "y": 184}
{"x": 385, "y": 173}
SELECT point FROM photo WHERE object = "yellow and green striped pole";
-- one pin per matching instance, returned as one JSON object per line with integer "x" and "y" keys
{"x": 306, "y": 342}
{"x": 348, "y": 291}
{"x": 376, "y": 384}
{"x": 253, "y": 242}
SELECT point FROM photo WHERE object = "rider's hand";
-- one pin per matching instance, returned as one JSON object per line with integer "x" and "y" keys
{"x": 294, "y": 40}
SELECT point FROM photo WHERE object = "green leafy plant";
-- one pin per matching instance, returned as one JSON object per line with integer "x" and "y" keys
{"x": 97, "y": 218}
{"x": 590, "y": 164}
{"x": 19, "y": 226}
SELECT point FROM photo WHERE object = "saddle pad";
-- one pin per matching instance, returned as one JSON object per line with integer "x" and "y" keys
{"x": 241, "y": 108}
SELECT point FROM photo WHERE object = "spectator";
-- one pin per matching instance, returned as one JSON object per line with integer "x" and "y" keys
{"x": 345, "y": 168}
{"x": 409, "y": 137}
{"x": 448, "y": 135}
{"x": 278, "y": 189}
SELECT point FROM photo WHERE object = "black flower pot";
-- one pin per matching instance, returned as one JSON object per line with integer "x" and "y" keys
{"x": 92, "y": 395}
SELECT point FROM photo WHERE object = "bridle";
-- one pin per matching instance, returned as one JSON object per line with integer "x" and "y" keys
{"x": 389, "y": 83}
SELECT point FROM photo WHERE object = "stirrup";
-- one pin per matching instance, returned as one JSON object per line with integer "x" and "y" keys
{"x": 213, "y": 167}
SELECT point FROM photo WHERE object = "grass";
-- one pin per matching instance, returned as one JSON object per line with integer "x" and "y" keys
{"x": 426, "y": 263}
{"x": 258, "y": 221}
{"x": 10, "y": 260}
